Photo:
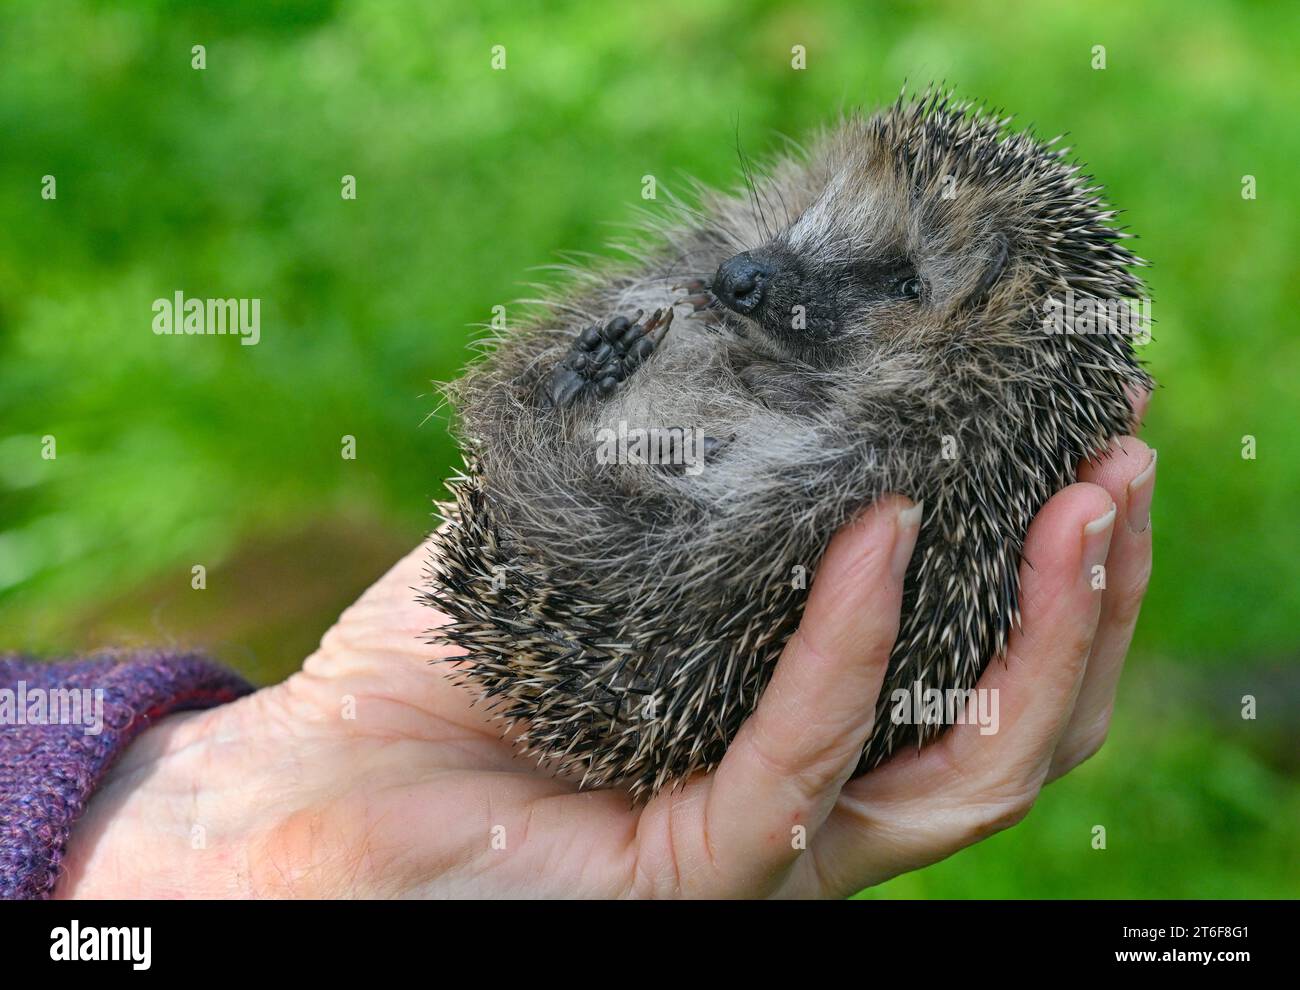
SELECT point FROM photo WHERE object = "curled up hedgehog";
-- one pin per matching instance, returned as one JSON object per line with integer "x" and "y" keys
{"x": 656, "y": 464}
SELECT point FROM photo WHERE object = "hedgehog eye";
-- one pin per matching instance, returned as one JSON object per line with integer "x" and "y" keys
{"x": 910, "y": 287}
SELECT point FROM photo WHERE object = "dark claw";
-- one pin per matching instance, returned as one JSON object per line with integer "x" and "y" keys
{"x": 700, "y": 296}
{"x": 602, "y": 357}
{"x": 712, "y": 447}
{"x": 654, "y": 330}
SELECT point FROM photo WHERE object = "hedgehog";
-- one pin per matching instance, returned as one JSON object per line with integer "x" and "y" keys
{"x": 921, "y": 301}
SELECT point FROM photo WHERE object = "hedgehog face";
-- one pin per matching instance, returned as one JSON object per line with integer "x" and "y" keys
{"x": 816, "y": 311}
{"x": 873, "y": 255}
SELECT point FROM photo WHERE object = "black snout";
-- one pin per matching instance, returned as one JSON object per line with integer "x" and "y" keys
{"x": 741, "y": 282}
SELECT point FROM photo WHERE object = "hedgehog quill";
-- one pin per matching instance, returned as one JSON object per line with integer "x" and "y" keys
{"x": 884, "y": 312}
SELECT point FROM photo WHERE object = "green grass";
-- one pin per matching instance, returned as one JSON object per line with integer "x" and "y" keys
{"x": 225, "y": 182}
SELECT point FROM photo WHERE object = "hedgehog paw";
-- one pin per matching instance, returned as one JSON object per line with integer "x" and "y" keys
{"x": 707, "y": 453}
{"x": 603, "y": 357}
{"x": 700, "y": 298}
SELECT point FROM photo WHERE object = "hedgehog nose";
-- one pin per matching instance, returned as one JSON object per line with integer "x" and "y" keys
{"x": 740, "y": 283}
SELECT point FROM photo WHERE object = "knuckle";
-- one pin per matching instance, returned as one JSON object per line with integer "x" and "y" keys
{"x": 999, "y": 814}
{"x": 1125, "y": 610}
{"x": 869, "y": 561}
{"x": 1077, "y": 639}
{"x": 1128, "y": 601}
{"x": 810, "y": 766}
{"x": 1090, "y": 741}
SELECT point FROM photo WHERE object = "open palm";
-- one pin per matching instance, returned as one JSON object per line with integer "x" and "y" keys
{"x": 370, "y": 773}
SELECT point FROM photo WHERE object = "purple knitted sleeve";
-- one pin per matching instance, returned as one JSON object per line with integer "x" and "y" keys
{"x": 61, "y": 727}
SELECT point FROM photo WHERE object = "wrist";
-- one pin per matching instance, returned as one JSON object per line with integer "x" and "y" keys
{"x": 179, "y": 813}
{"x": 79, "y": 718}
{"x": 137, "y": 833}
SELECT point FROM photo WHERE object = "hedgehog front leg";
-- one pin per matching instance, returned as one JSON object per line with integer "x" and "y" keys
{"x": 602, "y": 357}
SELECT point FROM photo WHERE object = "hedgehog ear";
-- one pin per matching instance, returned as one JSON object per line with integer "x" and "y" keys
{"x": 997, "y": 251}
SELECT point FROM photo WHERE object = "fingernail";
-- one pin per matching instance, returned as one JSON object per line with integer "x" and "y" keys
{"x": 1140, "y": 490}
{"x": 909, "y": 524}
{"x": 1096, "y": 541}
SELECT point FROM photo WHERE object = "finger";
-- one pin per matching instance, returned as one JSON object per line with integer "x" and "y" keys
{"x": 1128, "y": 473}
{"x": 791, "y": 757}
{"x": 917, "y": 808}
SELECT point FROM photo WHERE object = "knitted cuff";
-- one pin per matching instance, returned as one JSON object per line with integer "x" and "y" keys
{"x": 61, "y": 727}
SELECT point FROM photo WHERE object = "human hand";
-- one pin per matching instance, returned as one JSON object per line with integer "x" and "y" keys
{"x": 282, "y": 794}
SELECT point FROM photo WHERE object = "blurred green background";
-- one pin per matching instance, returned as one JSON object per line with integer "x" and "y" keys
{"x": 226, "y": 182}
